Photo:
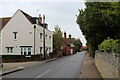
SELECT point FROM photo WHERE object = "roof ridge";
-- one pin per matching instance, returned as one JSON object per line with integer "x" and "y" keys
{"x": 27, "y": 15}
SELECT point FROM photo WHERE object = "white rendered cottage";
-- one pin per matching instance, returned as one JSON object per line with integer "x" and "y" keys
{"x": 23, "y": 35}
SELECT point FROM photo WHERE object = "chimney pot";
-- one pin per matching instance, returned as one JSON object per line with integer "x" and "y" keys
{"x": 40, "y": 18}
{"x": 64, "y": 34}
{"x": 69, "y": 36}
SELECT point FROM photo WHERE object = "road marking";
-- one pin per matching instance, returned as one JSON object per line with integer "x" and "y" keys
{"x": 44, "y": 73}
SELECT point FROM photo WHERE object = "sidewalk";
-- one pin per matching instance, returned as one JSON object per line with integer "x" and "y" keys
{"x": 89, "y": 69}
{"x": 17, "y": 66}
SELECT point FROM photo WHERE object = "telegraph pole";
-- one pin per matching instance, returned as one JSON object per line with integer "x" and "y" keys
{"x": 34, "y": 38}
{"x": 44, "y": 37}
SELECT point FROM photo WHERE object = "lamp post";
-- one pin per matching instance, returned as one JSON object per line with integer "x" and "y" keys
{"x": 44, "y": 37}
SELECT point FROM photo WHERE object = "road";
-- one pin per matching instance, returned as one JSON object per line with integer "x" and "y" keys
{"x": 65, "y": 67}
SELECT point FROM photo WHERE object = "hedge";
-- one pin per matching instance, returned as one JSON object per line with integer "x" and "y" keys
{"x": 20, "y": 56}
{"x": 110, "y": 45}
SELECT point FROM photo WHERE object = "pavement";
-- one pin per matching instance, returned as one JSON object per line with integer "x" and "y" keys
{"x": 17, "y": 66}
{"x": 89, "y": 69}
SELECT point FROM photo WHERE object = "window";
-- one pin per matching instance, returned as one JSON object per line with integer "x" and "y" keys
{"x": 9, "y": 49}
{"x": 22, "y": 51}
{"x": 40, "y": 50}
{"x": 15, "y": 35}
{"x": 25, "y": 50}
{"x": 50, "y": 38}
{"x": 29, "y": 51}
{"x": 49, "y": 49}
{"x": 46, "y": 36}
{"x": 41, "y": 35}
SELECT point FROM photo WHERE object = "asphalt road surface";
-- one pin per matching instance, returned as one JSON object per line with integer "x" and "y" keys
{"x": 65, "y": 67}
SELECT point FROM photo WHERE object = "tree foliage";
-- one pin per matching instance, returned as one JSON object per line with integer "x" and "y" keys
{"x": 57, "y": 39}
{"x": 99, "y": 21}
{"x": 110, "y": 45}
{"x": 77, "y": 44}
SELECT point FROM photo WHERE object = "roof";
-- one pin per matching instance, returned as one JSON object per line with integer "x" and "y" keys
{"x": 3, "y": 22}
{"x": 84, "y": 47}
{"x": 30, "y": 18}
{"x": 67, "y": 41}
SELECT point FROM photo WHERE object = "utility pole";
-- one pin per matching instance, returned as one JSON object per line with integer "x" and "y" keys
{"x": 44, "y": 37}
{"x": 34, "y": 38}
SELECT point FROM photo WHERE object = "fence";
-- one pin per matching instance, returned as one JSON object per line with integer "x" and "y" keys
{"x": 108, "y": 64}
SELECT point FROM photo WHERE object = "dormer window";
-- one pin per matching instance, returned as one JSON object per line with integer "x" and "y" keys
{"x": 15, "y": 35}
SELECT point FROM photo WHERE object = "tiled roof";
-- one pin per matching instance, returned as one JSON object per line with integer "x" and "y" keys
{"x": 30, "y": 18}
{"x": 67, "y": 41}
{"x": 3, "y": 22}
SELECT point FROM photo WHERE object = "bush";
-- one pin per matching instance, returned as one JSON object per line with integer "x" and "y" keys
{"x": 110, "y": 45}
{"x": 116, "y": 46}
{"x": 19, "y": 56}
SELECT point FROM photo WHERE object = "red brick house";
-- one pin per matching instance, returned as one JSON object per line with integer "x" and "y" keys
{"x": 67, "y": 47}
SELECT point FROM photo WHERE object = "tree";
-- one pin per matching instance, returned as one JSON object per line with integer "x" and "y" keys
{"x": 57, "y": 40}
{"x": 99, "y": 21}
{"x": 77, "y": 44}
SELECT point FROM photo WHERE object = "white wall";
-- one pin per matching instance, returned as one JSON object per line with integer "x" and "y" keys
{"x": 39, "y": 42}
{"x": 25, "y": 35}
{"x": 20, "y": 24}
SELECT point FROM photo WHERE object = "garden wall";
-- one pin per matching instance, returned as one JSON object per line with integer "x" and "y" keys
{"x": 108, "y": 64}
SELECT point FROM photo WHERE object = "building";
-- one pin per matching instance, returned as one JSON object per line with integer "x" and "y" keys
{"x": 67, "y": 45}
{"x": 22, "y": 34}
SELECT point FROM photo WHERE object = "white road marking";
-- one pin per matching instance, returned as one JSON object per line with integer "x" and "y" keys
{"x": 43, "y": 73}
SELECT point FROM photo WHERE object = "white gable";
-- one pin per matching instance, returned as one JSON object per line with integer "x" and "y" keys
{"x": 20, "y": 24}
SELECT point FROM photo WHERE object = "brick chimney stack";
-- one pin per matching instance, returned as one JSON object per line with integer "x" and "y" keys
{"x": 69, "y": 36}
{"x": 64, "y": 34}
{"x": 40, "y": 18}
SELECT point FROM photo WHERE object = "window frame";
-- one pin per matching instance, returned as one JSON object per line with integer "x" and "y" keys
{"x": 15, "y": 35}
{"x": 26, "y": 50}
{"x": 41, "y": 35}
{"x": 9, "y": 49}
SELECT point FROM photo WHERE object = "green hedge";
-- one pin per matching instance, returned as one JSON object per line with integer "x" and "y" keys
{"x": 110, "y": 45}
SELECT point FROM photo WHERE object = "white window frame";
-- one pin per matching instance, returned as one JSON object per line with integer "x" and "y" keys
{"x": 15, "y": 35}
{"x": 26, "y": 50}
{"x": 9, "y": 50}
{"x": 41, "y": 36}
{"x": 49, "y": 38}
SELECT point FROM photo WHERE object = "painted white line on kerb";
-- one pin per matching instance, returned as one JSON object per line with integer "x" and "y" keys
{"x": 43, "y": 73}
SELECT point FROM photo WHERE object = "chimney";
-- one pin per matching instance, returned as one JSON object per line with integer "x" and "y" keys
{"x": 69, "y": 36}
{"x": 40, "y": 18}
{"x": 64, "y": 34}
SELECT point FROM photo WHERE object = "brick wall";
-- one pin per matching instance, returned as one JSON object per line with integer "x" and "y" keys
{"x": 108, "y": 64}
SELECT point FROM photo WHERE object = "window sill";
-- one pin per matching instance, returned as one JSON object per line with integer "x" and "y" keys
{"x": 15, "y": 39}
{"x": 9, "y": 53}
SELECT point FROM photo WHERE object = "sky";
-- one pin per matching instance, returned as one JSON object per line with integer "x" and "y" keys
{"x": 58, "y": 13}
